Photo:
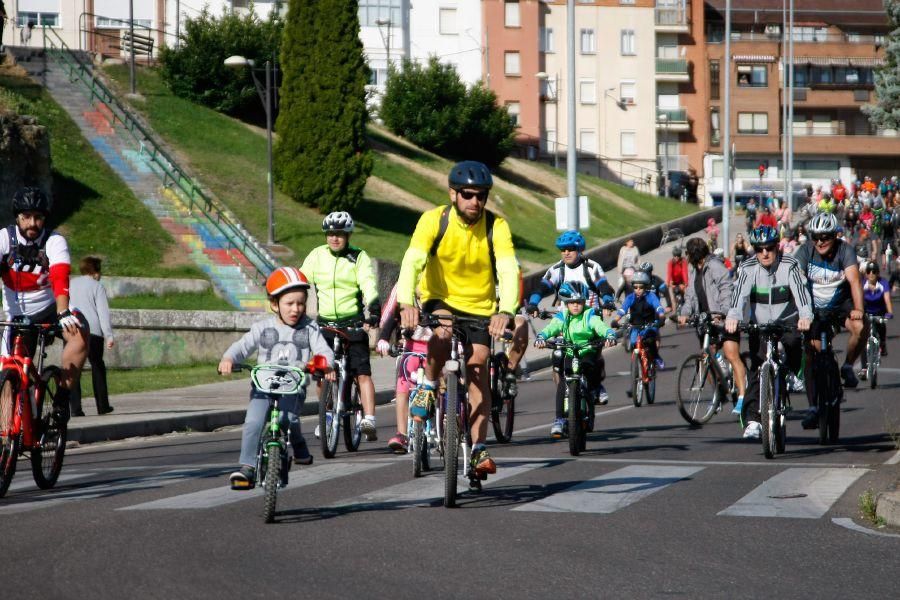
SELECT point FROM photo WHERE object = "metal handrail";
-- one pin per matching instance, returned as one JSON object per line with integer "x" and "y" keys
{"x": 172, "y": 172}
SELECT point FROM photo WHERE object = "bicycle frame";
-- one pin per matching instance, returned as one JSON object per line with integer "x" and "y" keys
{"x": 29, "y": 374}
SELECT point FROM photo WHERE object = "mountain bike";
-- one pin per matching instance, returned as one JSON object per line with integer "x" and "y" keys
{"x": 339, "y": 403}
{"x": 705, "y": 380}
{"x": 503, "y": 394}
{"x": 456, "y": 420}
{"x": 829, "y": 389}
{"x": 774, "y": 399}
{"x": 578, "y": 401}
{"x": 29, "y": 420}
{"x": 643, "y": 368}
{"x": 873, "y": 348}
{"x": 273, "y": 457}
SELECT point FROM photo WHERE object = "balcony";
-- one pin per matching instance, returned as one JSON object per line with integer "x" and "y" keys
{"x": 843, "y": 145}
{"x": 833, "y": 96}
{"x": 672, "y": 119}
{"x": 673, "y": 19}
{"x": 672, "y": 70}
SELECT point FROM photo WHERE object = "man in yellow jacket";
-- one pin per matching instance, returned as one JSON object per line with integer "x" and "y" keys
{"x": 465, "y": 256}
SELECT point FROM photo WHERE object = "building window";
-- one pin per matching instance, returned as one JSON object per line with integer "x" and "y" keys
{"x": 626, "y": 1}
{"x": 715, "y": 127}
{"x": 714, "y": 79}
{"x": 447, "y": 19}
{"x": 512, "y": 63}
{"x": 377, "y": 72}
{"x": 547, "y": 39}
{"x": 49, "y": 19}
{"x": 629, "y": 42}
{"x": 821, "y": 75}
{"x": 587, "y": 91}
{"x": 627, "y": 92}
{"x": 810, "y": 34}
{"x": 755, "y": 123}
{"x": 512, "y": 16}
{"x": 371, "y": 11}
{"x": 588, "y": 42}
{"x": 628, "y": 143}
{"x": 752, "y": 75}
{"x": 550, "y": 141}
{"x": 587, "y": 141}
{"x": 513, "y": 109}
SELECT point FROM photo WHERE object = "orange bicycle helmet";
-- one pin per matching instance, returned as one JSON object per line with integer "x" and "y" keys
{"x": 283, "y": 279}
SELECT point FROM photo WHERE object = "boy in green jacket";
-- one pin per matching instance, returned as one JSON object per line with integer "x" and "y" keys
{"x": 579, "y": 326}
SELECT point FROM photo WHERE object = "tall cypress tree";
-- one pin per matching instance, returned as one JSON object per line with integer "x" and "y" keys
{"x": 885, "y": 113}
{"x": 321, "y": 158}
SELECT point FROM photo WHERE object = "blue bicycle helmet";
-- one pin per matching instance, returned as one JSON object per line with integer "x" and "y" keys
{"x": 470, "y": 174}
{"x": 570, "y": 239}
{"x": 763, "y": 235}
{"x": 573, "y": 291}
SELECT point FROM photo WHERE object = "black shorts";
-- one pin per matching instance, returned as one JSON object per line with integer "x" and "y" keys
{"x": 837, "y": 315}
{"x": 357, "y": 352}
{"x": 719, "y": 335}
{"x": 472, "y": 333}
{"x": 46, "y": 317}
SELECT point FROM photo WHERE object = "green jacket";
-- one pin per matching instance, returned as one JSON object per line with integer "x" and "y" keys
{"x": 343, "y": 283}
{"x": 580, "y": 329}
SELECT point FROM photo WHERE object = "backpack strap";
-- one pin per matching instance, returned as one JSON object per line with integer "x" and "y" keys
{"x": 587, "y": 278}
{"x": 444, "y": 222}
{"x": 442, "y": 229}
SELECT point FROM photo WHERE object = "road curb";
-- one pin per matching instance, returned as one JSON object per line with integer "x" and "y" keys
{"x": 210, "y": 420}
{"x": 888, "y": 508}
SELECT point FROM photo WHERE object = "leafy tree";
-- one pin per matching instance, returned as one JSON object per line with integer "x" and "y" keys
{"x": 321, "y": 157}
{"x": 430, "y": 106}
{"x": 885, "y": 113}
{"x": 196, "y": 70}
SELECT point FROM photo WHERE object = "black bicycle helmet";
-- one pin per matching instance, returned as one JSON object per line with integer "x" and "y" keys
{"x": 31, "y": 199}
{"x": 470, "y": 174}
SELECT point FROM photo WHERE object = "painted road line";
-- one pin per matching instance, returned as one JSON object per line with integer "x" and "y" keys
{"x": 598, "y": 415}
{"x": 705, "y": 463}
{"x": 222, "y": 494}
{"x": 428, "y": 490}
{"x": 895, "y": 459}
{"x": 796, "y": 493}
{"x": 613, "y": 491}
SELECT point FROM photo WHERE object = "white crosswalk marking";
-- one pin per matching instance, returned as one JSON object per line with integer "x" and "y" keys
{"x": 796, "y": 493}
{"x": 223, "y": 495}
{"x": 613, "y": 491}
{"x": 429, "y": 489}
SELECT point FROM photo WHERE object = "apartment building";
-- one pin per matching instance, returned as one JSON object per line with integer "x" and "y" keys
{"x": 835, "y": 53}
{"x": 98, "y": 25}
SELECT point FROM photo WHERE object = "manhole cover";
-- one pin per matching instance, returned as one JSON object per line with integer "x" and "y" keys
{"x": 787, "y": 496}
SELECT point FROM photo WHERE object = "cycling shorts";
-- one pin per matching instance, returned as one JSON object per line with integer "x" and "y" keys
{"x": 357, "y": 352}
{"x": 472, "y": 334}
{"x": 840, "y": 315}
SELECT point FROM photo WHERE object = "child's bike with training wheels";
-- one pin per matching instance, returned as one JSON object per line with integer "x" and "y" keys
{"x": 578, "y": 402}
{"x": 273, "y": 455}
{"x": 339, "y": 403}
{"x": 424, "y": 434}
{"x": 29, "y": 420}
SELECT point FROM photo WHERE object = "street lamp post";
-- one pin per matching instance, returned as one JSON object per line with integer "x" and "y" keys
{"x": 386, "y": 38}
{"x": 664, "y": 118}
{"x": 239, "y": 62}
{"x": 545, "y": 77}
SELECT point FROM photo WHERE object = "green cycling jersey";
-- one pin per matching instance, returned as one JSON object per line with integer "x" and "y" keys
{"x": 577, "y": 329}
{"x": 343, "y": 280}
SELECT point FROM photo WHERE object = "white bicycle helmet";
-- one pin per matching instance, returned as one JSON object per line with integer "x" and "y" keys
{"x": 338, "y": 221}
{"x": 823, "y": 223}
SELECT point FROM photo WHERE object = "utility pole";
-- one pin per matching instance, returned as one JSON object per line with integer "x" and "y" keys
{"x": 571, "y": 156}
{"x": 790, "y": 137}
{"x": 177, "y": 24}
{"x": 131, "y": 43}
{"x": 726, "y": 184}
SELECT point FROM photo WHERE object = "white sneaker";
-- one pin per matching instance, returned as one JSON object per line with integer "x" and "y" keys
{"x": 367, "y": 427}
{"x": 753, "y": 430}
{"x": 316, "y": 432}
{"x": 795, "y": 384}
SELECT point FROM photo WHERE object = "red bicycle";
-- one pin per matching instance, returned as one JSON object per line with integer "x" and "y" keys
{"x": 28, "y": 421}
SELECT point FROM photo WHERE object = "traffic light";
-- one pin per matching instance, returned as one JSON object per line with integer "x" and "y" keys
{"x": 763, "y": 167}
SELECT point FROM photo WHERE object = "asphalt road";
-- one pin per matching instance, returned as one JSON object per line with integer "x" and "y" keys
{"x": 652, "y": 509}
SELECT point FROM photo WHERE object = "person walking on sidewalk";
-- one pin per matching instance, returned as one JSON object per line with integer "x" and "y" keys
{"x": 89, "y": 297}
{"x": 34, "y": 265}
{"x": 345, "y": 285}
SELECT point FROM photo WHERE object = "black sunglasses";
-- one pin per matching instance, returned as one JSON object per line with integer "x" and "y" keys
{"x": 569, "y": 249}
{"x": 482, "y": 195}
{"x": 638, "y": 286}
{"x": 823, "y": 237}
{"x": 766, "y": 248}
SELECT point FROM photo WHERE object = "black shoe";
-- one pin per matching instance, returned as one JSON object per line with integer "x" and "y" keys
{"x": 811, "y": 420}
{"x": 78, "y": 413}
{"x": 105, "y": 411}
{"x": 244, "y": 478}
{"x": 303, "y": 460}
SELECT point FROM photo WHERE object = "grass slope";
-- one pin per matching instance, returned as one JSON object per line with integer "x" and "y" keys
{"x": 229, "y": 157}
{"x": 93, "y": 207}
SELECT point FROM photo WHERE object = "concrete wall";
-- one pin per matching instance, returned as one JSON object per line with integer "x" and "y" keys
{"x": 117, "y": 287}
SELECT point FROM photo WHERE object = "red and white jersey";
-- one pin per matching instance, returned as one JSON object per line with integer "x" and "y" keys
{"x": 33, "y": 273}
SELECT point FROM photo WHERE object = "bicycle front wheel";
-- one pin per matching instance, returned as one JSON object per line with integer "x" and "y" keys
{"x": 273, "y": 478}
{"x": 767, "y": 411}
{"x": 419, "y": 447}
{"x": 451, "y": 441}
{"x": 50, "y": 449}
{"x": 637, "y": 384}
{"x": 9, "y": 439}
{"x": 576, "y": 427}
{"x": 329, "y": 421}
{"x": 696, "y": 390}
{"x": 503, "y": 404}
{"x": 352, "y": 417}
{"x": 873, "y": 354}
{"x": 827, "y": 389}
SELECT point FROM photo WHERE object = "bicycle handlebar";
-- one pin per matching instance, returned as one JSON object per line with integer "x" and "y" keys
{"x": 45, "y": 328}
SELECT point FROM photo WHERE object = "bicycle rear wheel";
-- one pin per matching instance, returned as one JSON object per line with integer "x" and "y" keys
{"x": 451, "y": 441}
{"x": 576, "y": 427}
{"x": 650, "y": 386}
{"x": 503, "y": 404}
{"x": 9, "y": 440}
{"x": 329, "y": 422}
{"x": 50, "y": 449}
{"x": 637, "y": 384}
{"x": 272, "y": 480}
{"x": 696, "y": 390}
{"x": 419, "y": 448}
{"x": 767, "y": 411}
{"x": 352, "y": 417}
